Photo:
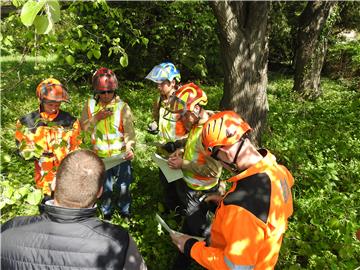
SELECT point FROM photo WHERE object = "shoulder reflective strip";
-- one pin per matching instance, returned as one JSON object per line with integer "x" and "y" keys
{"x": 91, "y": 104}
{"x": 200, "y": 183}
{"x": 112, "y": 136}
{"x": 117, "y": 115}
{"x": 115, "y": 146}
{"x": 236, "y": 266}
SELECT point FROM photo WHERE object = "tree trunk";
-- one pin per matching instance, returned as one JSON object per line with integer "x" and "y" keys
{"x": 311, "y": 48}
{"x": 244, "y": 48}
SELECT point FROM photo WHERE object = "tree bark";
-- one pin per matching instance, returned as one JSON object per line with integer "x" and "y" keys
{"x": 311, "y": 48}
{"x": 244, "y": 47}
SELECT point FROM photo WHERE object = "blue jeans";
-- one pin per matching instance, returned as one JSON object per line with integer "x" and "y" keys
{"x": 117, "y": 189}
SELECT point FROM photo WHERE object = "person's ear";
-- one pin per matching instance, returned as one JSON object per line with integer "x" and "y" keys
{"x": 98, "y": 195}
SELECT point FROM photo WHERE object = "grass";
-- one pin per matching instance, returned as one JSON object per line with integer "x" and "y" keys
{"x": 318, "y": 141}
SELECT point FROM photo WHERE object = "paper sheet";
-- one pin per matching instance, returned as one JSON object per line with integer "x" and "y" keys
{"x": 171, "y": 231}
{"x": 170, "y": 174}
{"x": 113, "y": 161}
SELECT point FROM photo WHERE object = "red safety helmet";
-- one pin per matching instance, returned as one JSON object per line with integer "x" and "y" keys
{"x": 51, "y": 90}
{"x": 223, "y": 129}
{"x": 104, "y": 79}
{"x": 186, "y": 98}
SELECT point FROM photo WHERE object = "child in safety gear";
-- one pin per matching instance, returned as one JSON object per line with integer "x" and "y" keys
{"x": 251, "y": 218}
{"x": 166, "y": 124}
{"x": 110, "y": 121}
{"x": 48, "y": 134}
{"x": 201, "y": 172}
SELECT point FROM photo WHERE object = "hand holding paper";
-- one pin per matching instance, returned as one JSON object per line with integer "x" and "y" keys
{"x": 113, "y": 161}
{"x": 175, "y": 162}
{"x": 175, "y": 234}
{"x": 170, "y": 174}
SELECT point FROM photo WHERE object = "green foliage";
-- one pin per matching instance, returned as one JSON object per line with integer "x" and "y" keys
{"x": 182, "y": 32}
{"x": 130, "y": 37}
{"x": 343, "y": 60}
{"x": 319, "y": 143}
{"x": 283, "y": 22}
{"x": 43, "y": 23}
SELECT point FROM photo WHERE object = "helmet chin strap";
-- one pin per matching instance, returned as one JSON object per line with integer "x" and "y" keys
{"x": 233, "y": 167}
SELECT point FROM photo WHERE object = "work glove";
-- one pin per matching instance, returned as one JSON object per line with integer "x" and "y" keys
{"x": 153, "y": 128}
{"x": 171, "y": 147}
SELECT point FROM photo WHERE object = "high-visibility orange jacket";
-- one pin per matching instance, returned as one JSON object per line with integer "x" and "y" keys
{"x": 250, "y": 221}
{"x": 48, "y": 139}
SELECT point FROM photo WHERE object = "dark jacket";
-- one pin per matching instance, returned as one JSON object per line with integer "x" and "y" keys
{"x": 64, "y": 238}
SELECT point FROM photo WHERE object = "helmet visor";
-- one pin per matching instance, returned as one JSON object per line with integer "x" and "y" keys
{"x": 158, "y": 75}
{"x": 177, "y": 105}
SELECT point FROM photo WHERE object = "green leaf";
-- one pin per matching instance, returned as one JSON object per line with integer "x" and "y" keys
{"x": 89, "y": 54}
{"x": 30, "y": 10}
{"x": 7, "y": 158}
{"x": 124, "y": 60}
{"x": 96, "y": 53}
{"x": 70, "y": 59}
{"x": 54, "y": 9}
{"x": 144, "y": 40}
{"x": 42, "y": 25}
{"x": 8, "y": 192}
{"x": 23, "y": 190}
{"x": 35, "y": 197}
{"x": 2, "y": 204}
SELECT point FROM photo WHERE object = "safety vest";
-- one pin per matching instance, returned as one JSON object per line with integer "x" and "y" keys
{"x": 193, "y": 153}
{"x": 170, "y": 129}
{"x": 53, "y": 139}
{"x": 107, "y": 137}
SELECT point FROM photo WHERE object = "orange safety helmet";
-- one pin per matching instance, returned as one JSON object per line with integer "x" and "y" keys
{"x": 104, "y": 79}
{"x": 222, "y": 129}
{"x": 186, "y": 98}
{"x": 51, "y": 90}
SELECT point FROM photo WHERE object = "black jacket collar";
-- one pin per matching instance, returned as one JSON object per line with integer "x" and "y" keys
{"x": 69, "y": 215}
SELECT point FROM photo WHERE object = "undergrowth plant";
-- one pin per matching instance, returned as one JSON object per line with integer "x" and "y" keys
{"x": 318, "y": 141}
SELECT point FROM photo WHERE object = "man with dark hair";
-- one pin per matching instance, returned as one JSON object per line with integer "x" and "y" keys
{"x": 68, "y": 235}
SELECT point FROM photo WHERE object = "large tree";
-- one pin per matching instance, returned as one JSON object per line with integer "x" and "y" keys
{"x": 311, "y": 48}
{"x": 244, "y": 49}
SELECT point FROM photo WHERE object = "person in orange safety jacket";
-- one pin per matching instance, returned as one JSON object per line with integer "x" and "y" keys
{"x": 47, "y": 134}
{"x": 251, "y": 218}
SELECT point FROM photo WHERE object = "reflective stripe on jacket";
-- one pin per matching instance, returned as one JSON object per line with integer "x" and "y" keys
{"x": 108, "y": 135}
{"x": 250, "y": 222}
{"x": 170, "y": 128}
{"x": 52, "y": 137}
{"x": 194, "y": 154}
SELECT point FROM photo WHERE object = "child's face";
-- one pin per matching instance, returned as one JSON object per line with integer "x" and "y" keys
{"x": 165, "y": 87}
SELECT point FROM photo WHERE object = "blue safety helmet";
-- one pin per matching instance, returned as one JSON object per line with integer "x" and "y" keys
{"x": 164, "y": 71}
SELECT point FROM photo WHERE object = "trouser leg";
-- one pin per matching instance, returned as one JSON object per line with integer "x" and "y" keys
{"x": 107, "y": 193}
{"x": 169, "y": 191}
{"x": 123, "y": 180}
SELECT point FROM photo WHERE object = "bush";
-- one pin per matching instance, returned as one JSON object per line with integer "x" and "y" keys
{"x": 343, "y": 60}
